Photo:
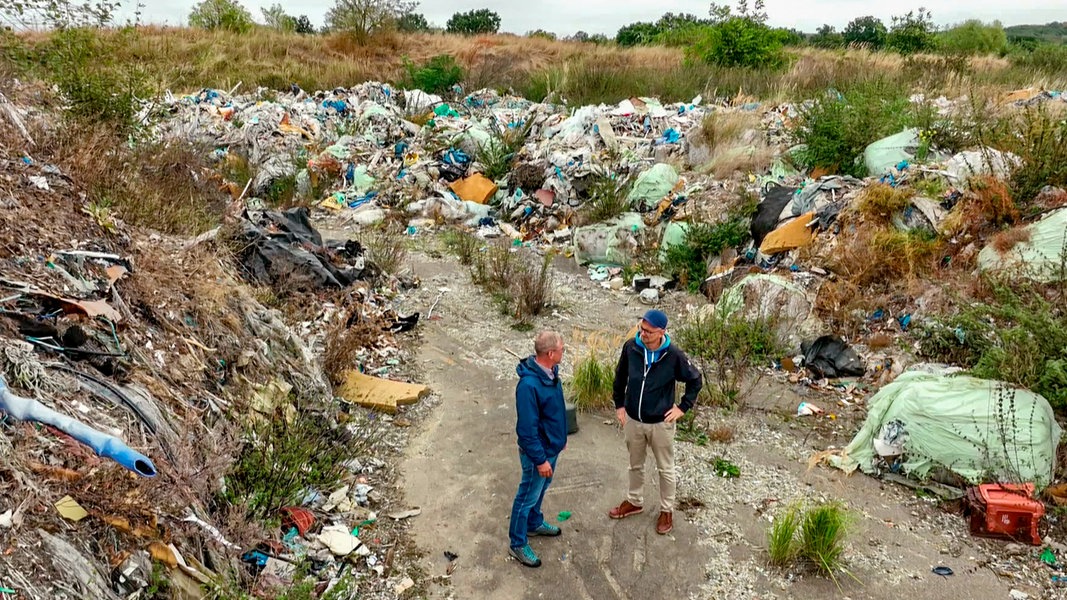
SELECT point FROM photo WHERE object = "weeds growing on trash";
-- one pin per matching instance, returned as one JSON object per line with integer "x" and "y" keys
{"x": 880, "y": 201}
{"x": 1016, "y": 335}
{"x": 608, "y": 198}
{"x": 590, "y": 387}
{"x": 387, "y": 247}
{"x": 731, "y": 352}
{"x": 497, "y": 156}
{"x": 352, "y": 333}
{"x": 521, "y": 284}
{"x": 286, "y": 455}
{"x": 689, "y": 260}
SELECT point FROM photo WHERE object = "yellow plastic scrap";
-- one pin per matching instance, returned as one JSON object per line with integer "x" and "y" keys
{"x": 476, "y": 188}
{"x": 794, "y": 234}
{"x": 378, "y": 393}
{"x": 70, "y": 510}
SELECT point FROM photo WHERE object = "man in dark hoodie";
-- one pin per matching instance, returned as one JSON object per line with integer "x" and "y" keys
{"x": 542, "y": 431}
{"x": 649, "y": 368}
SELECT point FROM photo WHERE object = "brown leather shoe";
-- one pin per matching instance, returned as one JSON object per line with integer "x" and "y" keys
{"x": 624, "y": 510}
{"x": 665, "y": 523}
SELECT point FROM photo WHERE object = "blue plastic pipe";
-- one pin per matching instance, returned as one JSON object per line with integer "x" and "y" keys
{"x": 107, "y": 446}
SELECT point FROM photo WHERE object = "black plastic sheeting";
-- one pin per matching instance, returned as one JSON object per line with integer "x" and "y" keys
{"x": 831, "y": 357}
{"x": 775, "y": 197}
{"x": 283, "y": 250}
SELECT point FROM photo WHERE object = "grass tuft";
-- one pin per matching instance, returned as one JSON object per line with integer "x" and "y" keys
{"x": 782, "y": 543}
{"x": 822, "y": 537}
{"x": 591, "y": 386}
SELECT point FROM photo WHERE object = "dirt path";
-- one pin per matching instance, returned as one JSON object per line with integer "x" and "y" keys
{"x": 462, "y": 470}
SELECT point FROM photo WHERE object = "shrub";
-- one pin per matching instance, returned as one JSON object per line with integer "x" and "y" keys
{"x": 497, "y": 156}
{"x": 98, "y": 87}
{"x": 837, "y": 128}
{"x": 304, "y": 26}
{"x": 474, "y": 22}
{"x": 1048, "y": 59}
{"x": 608, "y": 198}
{"x": 881, "y": 201}
{"x": 739, "y": 40}
{"x": 591, "y": 386}
{"x": 912, "y": 33}
{"x": 1018, "y": 335}
{"x": 287, "y": 453}
{"x": 436, "y": 76}
{"x": 412, "y": 22}
{"x": 227, "y": 15}
{"x": 464, "y": 245}
{"x": 276, "y": 18}
{"x": 729, "y": 349}
{"x": 521, "y": 289}
{"x": 827, "y": 37}
{"x": 386, "y": 247}
{"x": 973, "y": 37}
{"x": 636, "y": 34}
{"x": 363, "y": 18}
{"x": 688, "y": 261}
{"x": 1042, "y": 145}
{"x": 867, "y": 31}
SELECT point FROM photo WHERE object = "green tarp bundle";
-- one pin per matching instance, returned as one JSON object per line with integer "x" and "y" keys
{"x": 652, "y": 186}
{"x": 1040, "y": 257}
{"x": 980, "y": 430}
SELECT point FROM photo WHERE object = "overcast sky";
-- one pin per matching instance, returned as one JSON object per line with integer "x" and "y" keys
{"x": 564, "y": 17}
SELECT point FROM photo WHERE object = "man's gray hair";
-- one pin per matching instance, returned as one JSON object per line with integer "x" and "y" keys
{"x": 547, "y": 340}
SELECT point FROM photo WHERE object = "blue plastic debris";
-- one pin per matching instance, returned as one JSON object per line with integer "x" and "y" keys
{"x": 400, "y": 148}
{"x": 878, "y": 315}
{"x": 671, "y": 136}
{"x": 456, "y": 157}
{"x": 904, "y": 321}
{"x": 412, "y": 230}
{"x": 362, "y": 200}
{"x": 338, "y": 105}
{"x": 902, "y": 165}
{"x": 255, "y": 557}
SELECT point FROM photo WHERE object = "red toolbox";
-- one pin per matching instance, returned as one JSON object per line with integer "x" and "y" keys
{"x": 1004, "y": 510}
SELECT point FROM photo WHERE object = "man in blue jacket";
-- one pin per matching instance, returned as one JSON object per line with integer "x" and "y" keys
{"x": 649, "y": 368}
{"x": 542, "y": 433}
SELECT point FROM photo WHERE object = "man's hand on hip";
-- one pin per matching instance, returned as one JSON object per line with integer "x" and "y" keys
{"x": 620, "y": 414}
{"x": 673, "y": 414}
{"x": 544, "y": 469}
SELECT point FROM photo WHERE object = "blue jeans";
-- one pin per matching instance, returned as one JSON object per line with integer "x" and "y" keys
{"x": 526, "y": 509}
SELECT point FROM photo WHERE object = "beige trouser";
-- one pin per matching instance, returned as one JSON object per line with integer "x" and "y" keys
{"x": 639, "y": 436}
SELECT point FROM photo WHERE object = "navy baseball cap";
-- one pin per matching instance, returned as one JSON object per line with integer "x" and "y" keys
{"x": 656, "y": 318}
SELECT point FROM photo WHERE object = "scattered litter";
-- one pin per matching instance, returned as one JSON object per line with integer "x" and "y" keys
{"x": 407, "y": 514}
{"x": 943, "y": 571}
{"x": 69, "y": 509}
{"x": 563, "y": 516}
{"x": 377, "y": 393}
{"x": 807, "y": 409}
{"x": 404, "y": 586}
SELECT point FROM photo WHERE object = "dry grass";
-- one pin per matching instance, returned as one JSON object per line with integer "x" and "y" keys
{"x": 722, "y": 435}
{"x": 734, "y": 142}
{"x": 986, "y": 204}
{"x": 880, "y": 201}
{"x": 1004, "y": 241}
{"x": 356, "y": 330}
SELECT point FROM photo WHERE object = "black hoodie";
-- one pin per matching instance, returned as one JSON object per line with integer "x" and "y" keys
{"x": 648, "y": 393}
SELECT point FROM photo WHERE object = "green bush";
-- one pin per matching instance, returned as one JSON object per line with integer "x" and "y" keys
{"x": 98, "y": 88}
{"x": 816, "y": 534}
{"x": 436, "y": 76}
{"x": 1048, "y": 59}
{"x": 729, "y": 350}
{"x": 837, "y": 128}
{"x": 739, "y": 40}
{"x": 608, "y": 198}
{"x": 227, "y": 15}
{"x": 591, "y": 386}
{"x": 827, "y": 37}
{"x": 1040, "y": 140}
{"x": 474, "y": 22}
{"x": 1018, "y": 336}
{"x": 973, "y": 37}
{"x": 688, "y": 261}
{"x": 412, "y": 22}
{"x": 636, "y": 34}
{"x": 867, "y": 31}
{"x": 285, "y": 455}
{"x": 912, "y": 33}
{"x": 497, "y": 156}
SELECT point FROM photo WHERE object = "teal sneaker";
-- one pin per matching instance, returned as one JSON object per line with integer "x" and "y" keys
{"x": 546, "y": 530}
{"x": 526, "y": 556}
